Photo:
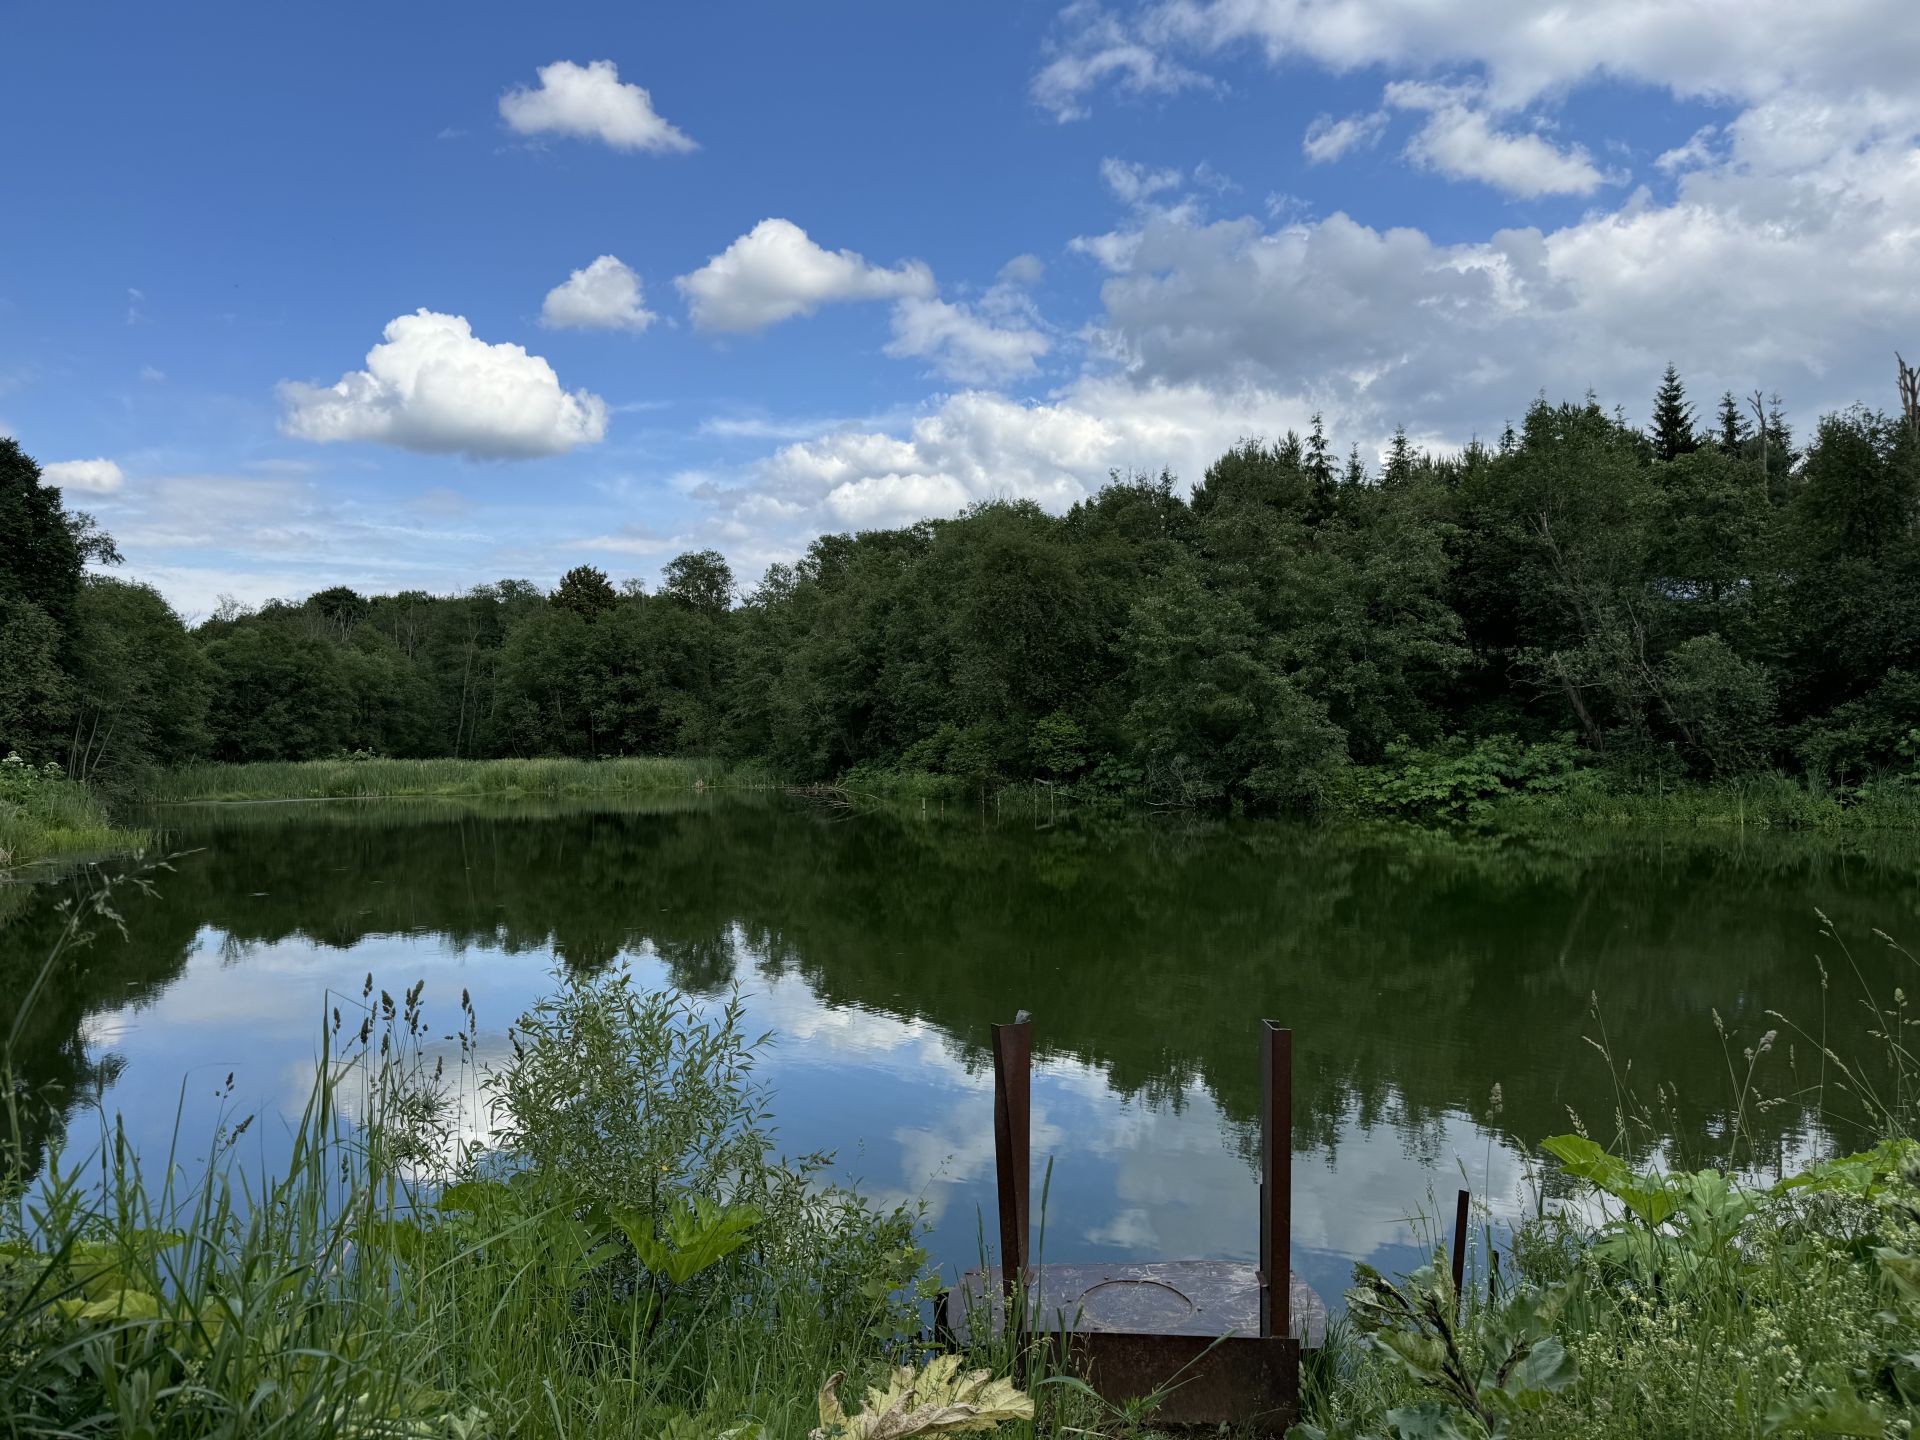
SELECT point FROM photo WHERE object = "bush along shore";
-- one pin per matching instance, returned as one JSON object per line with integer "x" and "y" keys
{"x": 44, "y": 815}
{"x": 1500, "y": 780}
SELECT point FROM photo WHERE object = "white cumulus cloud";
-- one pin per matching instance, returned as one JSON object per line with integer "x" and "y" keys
{"x": 604, "y": 296}
{"x": 1101, "y": 50}
{"x": 775, "y": 272}
{"x": 1696, "y": 152}
{"x": 1135, "y": 183}
{"x": 97, "y": 477}
{"x": 431, "y": 385}
{"x": 962, "y": 344}
{"x": 1525, "y": 51}
{"x": 590, "y": 102}
{"x": 1460, "y": 140}
{"x": 1327, "y": 139}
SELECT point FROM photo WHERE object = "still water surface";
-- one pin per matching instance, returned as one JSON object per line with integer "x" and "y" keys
{"x": 1418, "y": 972}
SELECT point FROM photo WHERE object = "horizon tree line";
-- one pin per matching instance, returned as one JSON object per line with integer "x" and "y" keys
{"x": 1692, "y": 599}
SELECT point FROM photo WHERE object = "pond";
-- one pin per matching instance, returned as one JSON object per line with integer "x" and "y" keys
{"x": 1440, "y": 988}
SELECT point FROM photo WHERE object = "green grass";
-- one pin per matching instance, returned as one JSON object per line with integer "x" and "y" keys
{"x": 58, "y": 818}
{"x": 1724, "y": 1302}
{"x": 377, "y": 779}
{"x": 1765, "y": 801}
{"x": 396, "y": 1278}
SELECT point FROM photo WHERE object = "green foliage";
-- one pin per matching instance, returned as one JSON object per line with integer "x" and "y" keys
{"x": 1480, "y": 1376}
{"x": 1719, "y": 612}
{"x": 696, "y": 1234}
{"x": 398, "y": 1280}
{"x": 1216, "y": 716}
{"x": 585, "y": 591}
{"x": 1461, "y": 780}
{"x": 1672, "y": 429}
{"x": 1059, "y": 745}
{"x": 360, "y": 775}
{"x": 1721, "y": 704}
{"x": 141, "y": 689}
{"x": 43, "y": 813}
{"x": 1703, "y": 1307}
{"x": 701, "y": 580}
{"x": 40, "y": 551}
{"x": 278, "y": 694}
{"x": 36, "y": 690}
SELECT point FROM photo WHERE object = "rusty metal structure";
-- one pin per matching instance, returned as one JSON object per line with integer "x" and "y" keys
{"x": 1219, "y": 1341}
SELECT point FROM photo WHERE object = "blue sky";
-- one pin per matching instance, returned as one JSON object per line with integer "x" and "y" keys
{"x": 868, "y": 262}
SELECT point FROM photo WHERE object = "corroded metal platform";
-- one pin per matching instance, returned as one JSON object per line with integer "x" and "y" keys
{"x": 1209, "y": 1341}
{"x": 1157, "y": 1297}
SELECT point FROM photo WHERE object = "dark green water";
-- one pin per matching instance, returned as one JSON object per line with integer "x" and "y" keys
{"x": 1418, "y": 974}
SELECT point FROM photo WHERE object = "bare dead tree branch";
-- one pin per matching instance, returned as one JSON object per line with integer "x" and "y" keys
{"x": 1909, "y": 393}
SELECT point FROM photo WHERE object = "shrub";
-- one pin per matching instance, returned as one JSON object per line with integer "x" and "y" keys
{"x": 1458, "y": 780}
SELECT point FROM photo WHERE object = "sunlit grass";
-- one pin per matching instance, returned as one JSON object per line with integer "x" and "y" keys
{"x": 353, "y": 1291}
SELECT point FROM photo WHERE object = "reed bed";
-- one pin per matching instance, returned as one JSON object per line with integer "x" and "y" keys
{"x": 44, "y": 815}
{"x": 367, "y": 779}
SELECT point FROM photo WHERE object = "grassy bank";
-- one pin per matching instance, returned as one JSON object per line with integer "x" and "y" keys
{"x": 44, "y": 815}
{"x": 1492, "y": 785}
{"x": 1502, "y": 781}
{"x": 1702, "y": 1307}
{"x": 1760, "y": 802}
{"x": 1651, "y": 1299}
{"x": 620, "y": 1253}
{"x": 399, "y": 779}
{"x": 1497, "y": 782}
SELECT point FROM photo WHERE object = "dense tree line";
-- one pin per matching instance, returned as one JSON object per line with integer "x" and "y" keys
{"x": 1696, "y": 599}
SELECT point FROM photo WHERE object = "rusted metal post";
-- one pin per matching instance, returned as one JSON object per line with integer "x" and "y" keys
{"x": 1459, "y": 1249}
{"x": 1012, "y": 1132}
{"x": 1276, "y": 1181}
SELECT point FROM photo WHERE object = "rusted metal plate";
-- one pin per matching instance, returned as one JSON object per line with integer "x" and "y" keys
{"x": 1200, "y": 1298}
{"x": 1211, "y": 1338}
{"x": 1248, "y": 1382}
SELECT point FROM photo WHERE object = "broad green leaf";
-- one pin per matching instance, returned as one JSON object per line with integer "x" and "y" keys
{"x": 1826, "y": 1412}
{"x": 1902, "y": 1269}
{"x": 402, "y": 1239}
{"x": 699, "y": 1235}
{"x": 474, "y": 1196}
{"x": 1546, "y": 1369}
{"x": 1860, "y": 1174}
{"x": 120, "y": 1305}
{"x": 1434, "y": 1422}
{"x": 1648, "y": 1196}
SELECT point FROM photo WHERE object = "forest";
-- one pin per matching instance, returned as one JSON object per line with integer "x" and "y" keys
{"x": 1710, "y": 597}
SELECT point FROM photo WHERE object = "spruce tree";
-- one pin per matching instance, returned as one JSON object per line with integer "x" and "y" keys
{"x": 1399, "y": 459}
{"x": 1733, "y": 425}
{"x": 1672, "y": 428}
{"x": 1319, "y": 454}
{"x": 1356, "y": 467}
